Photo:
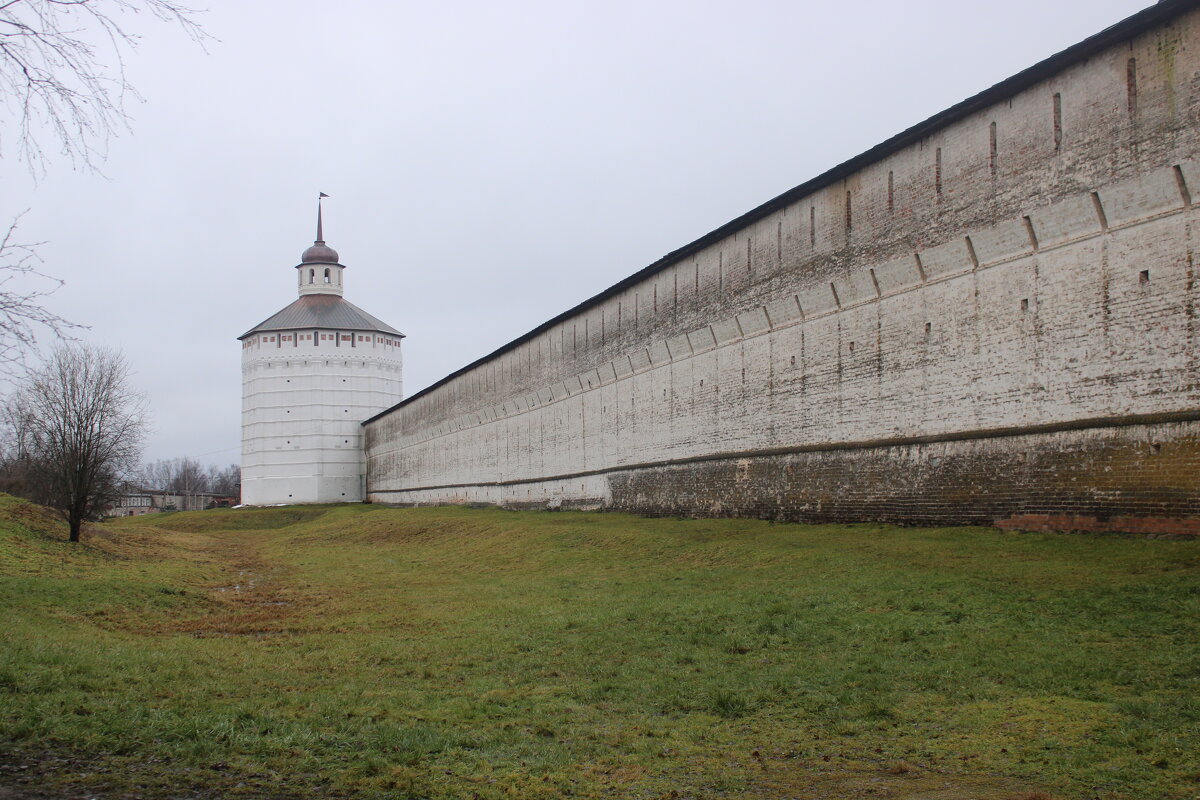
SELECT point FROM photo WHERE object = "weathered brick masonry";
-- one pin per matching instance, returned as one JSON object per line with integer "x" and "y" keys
{"x": 990, "y": 318}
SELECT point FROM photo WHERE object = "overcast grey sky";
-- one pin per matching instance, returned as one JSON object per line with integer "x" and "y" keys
{"x": 489, "y": 164}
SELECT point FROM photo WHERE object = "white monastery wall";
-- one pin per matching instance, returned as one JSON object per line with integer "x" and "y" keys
{"x": 1021, "y": 273}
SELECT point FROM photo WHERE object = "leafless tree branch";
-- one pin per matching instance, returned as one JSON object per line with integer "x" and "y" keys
{"x": 23, "y": 289}
{"x": 62, "y": 71}
{"x": 62, "y": 77}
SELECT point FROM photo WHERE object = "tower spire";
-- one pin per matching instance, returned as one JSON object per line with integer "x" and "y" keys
{"x": 320, "y": 234}
{"x": 319, "y": 270}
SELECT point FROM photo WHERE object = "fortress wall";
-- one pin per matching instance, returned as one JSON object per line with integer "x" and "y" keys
{"x": 1012, "y": 295}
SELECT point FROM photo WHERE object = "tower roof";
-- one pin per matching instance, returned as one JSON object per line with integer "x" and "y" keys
{"x": 326, "y": 311}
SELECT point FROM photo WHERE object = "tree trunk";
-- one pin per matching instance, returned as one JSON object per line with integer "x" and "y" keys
{"x": 76, "y": 522}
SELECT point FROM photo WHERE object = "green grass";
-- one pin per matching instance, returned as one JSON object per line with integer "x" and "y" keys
{"x": 372, "y": 652}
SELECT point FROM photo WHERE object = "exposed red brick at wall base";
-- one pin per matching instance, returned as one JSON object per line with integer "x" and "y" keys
{"x": 1165, "y": 526}
{"x": 1141, "y": 478}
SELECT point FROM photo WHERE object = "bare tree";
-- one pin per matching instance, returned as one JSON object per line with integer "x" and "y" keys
{"x": 22, "y": 314}
{"x": 16, "y": 474}
{"x": 63, "y": 86}
{"x": 79, "y": 426}
{"x": 189, "y": 478}
{"x": 226, "y": 481}
{"x": 62, "y": 71}
{"x": 155, "y": 474}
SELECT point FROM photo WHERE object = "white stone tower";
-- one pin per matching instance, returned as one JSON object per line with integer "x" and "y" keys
{"x": 310, "y": 374}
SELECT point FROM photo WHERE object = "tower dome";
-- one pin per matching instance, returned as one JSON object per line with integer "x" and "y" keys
{"x": 319, "y": 253}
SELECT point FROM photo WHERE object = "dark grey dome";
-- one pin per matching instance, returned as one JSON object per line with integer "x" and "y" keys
{"x": 319, "y": 253}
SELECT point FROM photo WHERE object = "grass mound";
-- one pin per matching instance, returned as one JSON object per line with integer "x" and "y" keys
{"x": 231, "y": 519}
{"x": 372, "y": 652}
{"x": 25, "y": 526}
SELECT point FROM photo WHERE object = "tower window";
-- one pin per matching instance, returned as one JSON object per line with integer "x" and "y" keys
{"x": 327, "y": 274}
{"x": 312, "y": 275}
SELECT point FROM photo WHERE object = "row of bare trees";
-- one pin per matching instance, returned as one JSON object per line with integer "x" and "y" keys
{"x": 188, "y": 476}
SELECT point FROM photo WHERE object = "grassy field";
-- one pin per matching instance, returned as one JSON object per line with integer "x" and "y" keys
{"x": 361, "y": 651}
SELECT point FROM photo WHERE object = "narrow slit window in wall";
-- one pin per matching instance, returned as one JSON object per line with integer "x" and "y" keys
{"x": 1057, "y": 121}
{"x": 992, "y": 149}
{"x": 1131, "y": 87}
{"x": 937, "y": 173}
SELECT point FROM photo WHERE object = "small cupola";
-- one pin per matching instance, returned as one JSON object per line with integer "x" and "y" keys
{"x": 319, "y": 270}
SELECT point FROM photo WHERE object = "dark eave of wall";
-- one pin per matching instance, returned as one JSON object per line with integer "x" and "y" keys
{"x": 1126, "y": 29}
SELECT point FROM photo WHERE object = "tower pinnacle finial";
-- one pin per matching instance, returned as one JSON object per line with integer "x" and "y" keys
{"x": 319, "y": 252}
{"x": 320, "y": 234}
